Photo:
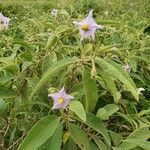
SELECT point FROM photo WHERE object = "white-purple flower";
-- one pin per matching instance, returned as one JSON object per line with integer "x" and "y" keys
{"x": 88, "y": 26}
{"x": 4, "y": 22}
{"x": 127, "y": 68}
{"x": 54, "y": 12}
{"x": 61, "y": 99}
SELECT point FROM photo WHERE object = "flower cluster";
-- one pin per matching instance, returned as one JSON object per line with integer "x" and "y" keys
{"x": 4, "y": 22}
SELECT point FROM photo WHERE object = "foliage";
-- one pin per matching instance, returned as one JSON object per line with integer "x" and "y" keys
{"x": 40, "y": 53}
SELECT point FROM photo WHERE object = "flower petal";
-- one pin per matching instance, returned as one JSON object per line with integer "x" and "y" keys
{"x": 68, "y": 97}
{"x": 62, "y": 92}
{"x": 55, "y": 96}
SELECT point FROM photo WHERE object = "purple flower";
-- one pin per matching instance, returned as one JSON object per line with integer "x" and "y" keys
{"x": 61, "y": 99}
{"x": 127, "y": 68}
{"x": 54, "y": 12}
{"x": 4, "y": 22}
{"x": 87, "y": 27}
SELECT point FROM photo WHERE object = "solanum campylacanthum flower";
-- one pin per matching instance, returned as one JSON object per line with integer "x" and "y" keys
{"x": 61, "y": 99}
{"x": 88, "y": 26}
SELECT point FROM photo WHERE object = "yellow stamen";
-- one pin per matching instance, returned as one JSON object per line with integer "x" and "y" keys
{"x": 85, "y": 27}
{"x": 60, "y": 100}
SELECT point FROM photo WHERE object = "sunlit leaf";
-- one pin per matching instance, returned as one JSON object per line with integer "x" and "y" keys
{"x": 79, "y": 136}
{"x": 91, "y": 91}
{"x": 77, "y": 107}
{"x": 52, "y": 71}
{"x": 116, "y": 71}
{"x": 108, "y": 110}
{"x": 40, "y": 133}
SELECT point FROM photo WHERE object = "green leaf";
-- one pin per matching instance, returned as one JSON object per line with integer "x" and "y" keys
{"x": 56, "y": 139}
{"x": 111, "y": 86}
{"x": 63, "y": 29}
{"x": 78, "y": 108}
{"x": 126, "y": 118}
{"x": 140, "y": 134}
{"x": 93, "y": 146}
{"x": 100, "y": 144}
{"x": 141, "y": 143}
{"x": 98, "y": 125}
{"x": 115, "y": 70}
{"x": 108, "y": 110}
{"x": 54, "y": 143}
{"x": 3, "y": 107}
{"x": 52, "y": 41}
{"x": 70, "y": 145}
{"x": 22, "y": 43}
{"x": 79, "y": 136}
{"x": 48, "y": 60}
{"x": 40, "y": 133}
{"x": 52, "y": 71}
{"x": 90, "y": 91}
{"x": 116, "y": 138}
{"x": 107, "y": 22}
{"x": 7, "y": 93}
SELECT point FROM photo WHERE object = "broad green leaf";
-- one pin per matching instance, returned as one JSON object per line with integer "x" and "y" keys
{"x": 51, "y": 25}
{"x": 9, "y": 64}
{"x": 11, "y": 68}
{"x": 141, "y": 143}
{"x": 70, "y": 48}
{"x": 110, "y": 49}
{"x": 143, "y": 112}
{"x": 79, "y": 136}
{"x": 48, "y": 60}
{"x": 70, "y": 145}
{"x": 93, "y": 146}
{"x": 7, "y": 93}
{"x": 110, "y": 109}
{"x": 52, "y": 41}
{"x": 127, "y": 118}
{"x": 115, "y": 70}
{"x": 98, "y": 125}
{"x": 55, "y": 68}
{"x": 22, "y": 43}
{"x": 63, "y": 29}
{"x": 54, "y": 143}
{"x": 7, "y": 78}
{"x": 27, "y": 56}
{"x": 56, "y": 139}
{"x": 139, "y": 134}
{"x": 100, "y": 144}
{"x": 40, "y": 133}
{"x": 111, "y": 86}
{"x": 78, "y": 108}
{"x": 116, "y": 138}
{"x": 90, "y": 91}
{"x": 3, "y": 107}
